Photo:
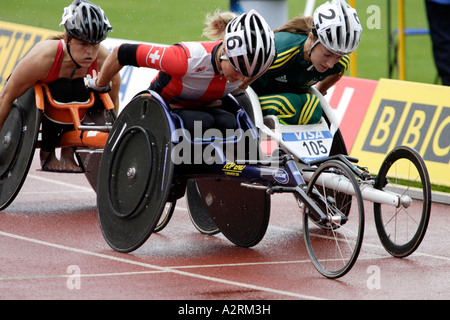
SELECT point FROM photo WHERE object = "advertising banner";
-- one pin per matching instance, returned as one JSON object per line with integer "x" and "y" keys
{"x": 412, "y": 114}
{"x": 15, "y": 41}
{"x": 350, "y": 98}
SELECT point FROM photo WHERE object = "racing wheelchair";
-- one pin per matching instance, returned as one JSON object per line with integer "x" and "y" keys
{"x": 20, "y": 135}
{"x": 141, "y": 177}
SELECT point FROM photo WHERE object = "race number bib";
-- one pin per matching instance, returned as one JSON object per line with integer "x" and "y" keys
{"x": 235, "y": 44}
{"x": 309, "y": 145}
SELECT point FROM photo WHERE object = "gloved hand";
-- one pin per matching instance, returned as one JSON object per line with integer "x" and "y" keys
{"x": 91, "y": 84}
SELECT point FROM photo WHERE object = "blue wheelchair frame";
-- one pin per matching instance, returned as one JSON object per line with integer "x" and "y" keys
{"x": 251, "y": 170}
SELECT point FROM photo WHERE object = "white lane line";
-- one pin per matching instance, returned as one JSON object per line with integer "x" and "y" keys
{"x": 65, "y": 184}
{"x": 162, "y": 269}
{"x": 82, "y": 275}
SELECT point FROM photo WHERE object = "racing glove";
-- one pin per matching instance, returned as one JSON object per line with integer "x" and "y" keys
{"x": 91, "y": 84}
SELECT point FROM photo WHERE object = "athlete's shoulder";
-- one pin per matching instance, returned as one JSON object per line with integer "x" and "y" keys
{"x": 196, "y": 48}
{"x": 289, "y": 48}
{"x": 344, "y": 63}
{"x": 46, "y": 47}
{"x": 289, "y": 39}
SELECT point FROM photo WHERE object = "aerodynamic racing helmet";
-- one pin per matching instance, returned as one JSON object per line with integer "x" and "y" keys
{"x": 249, "y": 44}
{"x": 337, "y": 27}
{"x": 86, "y": 21}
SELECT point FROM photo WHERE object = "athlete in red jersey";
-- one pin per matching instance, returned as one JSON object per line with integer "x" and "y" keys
{"x": 64, "y": 62}
{"x": 192, "y": 75}
{"x": 55, "y": 70}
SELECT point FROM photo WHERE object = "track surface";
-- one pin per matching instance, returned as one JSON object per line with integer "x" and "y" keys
{"x": 51, "y": 247}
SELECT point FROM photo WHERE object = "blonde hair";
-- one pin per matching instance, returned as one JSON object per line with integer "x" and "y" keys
{"x": 56, "y": 37}
{"x": 216, "y": 24}
{"x": 302, "y": 25}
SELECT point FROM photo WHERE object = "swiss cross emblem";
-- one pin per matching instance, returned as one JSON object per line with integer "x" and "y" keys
{"x": 154, "y": 56}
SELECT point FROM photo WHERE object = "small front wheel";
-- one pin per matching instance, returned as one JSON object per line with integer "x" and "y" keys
{"x": 401, "y": 229}
{"x": 333, "y": 245}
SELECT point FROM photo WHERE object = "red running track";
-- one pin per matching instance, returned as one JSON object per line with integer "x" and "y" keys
{"x": 51, "y": 247}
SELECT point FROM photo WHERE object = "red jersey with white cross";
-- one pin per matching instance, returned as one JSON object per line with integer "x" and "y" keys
{"x": 188, "y": 74}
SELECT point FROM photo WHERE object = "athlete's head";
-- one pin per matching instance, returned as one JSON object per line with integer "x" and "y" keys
{"x": 337, "y": 27}
{"x": 86, "y": 21}
{"x": 249, "y": 44}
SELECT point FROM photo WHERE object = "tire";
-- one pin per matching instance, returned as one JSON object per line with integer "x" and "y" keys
{"x": 18, "y": 139}
{"x": 401, "y": 230}
{"x": 135, "y": 175}
{"x": 334, "y": 246}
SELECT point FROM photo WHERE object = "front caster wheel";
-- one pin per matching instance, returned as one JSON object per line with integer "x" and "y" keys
{"x": 333, "y": 246}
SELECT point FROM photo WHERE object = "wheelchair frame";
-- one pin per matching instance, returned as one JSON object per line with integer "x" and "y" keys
{"x": 137, "y": 178}
{"x": 325, "y": 188}
{"x": 24, "y": 124}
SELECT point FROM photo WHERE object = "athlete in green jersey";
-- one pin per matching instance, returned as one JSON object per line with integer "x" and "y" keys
{"x": 311, "y": 51}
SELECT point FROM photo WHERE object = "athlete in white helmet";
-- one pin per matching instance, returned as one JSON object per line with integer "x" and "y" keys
{"x": 311, "y": 51}
{"x": 192, "y": 75}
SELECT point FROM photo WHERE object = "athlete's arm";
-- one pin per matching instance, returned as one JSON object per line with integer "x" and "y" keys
{"x": 172, "y": 60}
{"x": 34, "y": 67}
{"x": 327, "y": 83}
{"x": 115, "y": 82}
{"x": 109, "y": 69}
{"x": 330, "y": 81}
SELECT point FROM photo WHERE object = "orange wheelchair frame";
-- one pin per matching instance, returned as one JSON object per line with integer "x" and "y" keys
{"x": 82, "y": 135}
{"x": 19, "y": 136}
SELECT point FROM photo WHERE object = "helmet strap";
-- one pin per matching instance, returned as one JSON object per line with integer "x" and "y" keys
{"x": 77, "y": 66}
{"x": 310, "y": 48}
{"x": 222, "y": 56}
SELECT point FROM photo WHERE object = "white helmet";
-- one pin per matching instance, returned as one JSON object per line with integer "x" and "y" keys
{"x": 337, "y": 27}
{"x": 250, "y": 44}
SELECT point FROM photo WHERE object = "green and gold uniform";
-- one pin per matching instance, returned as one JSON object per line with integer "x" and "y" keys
{"x": 283, "y": 89}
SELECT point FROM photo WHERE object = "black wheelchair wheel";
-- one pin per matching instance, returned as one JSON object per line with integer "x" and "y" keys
{"x": 241, "y": 214}
{"x": 401, "y": 229}
{"x": 91, "y": 163}
{"x": 198, "y": 210}
{"x": 135, "y": 174}
{"x": 90, "y": 159}
{"x": 18, "y": 139}
{"x": 165, "y": 216}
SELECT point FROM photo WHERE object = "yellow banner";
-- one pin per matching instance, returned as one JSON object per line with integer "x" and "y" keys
{"x": 15, "y": 41}
{"x": 412, "y": 114}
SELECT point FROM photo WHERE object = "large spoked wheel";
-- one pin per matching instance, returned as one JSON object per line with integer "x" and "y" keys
{"x": 18, "y": 139}
{"x": 135, "y": 174}
{"x": 333, "y": 245}
{"x": 402, "y": 229}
